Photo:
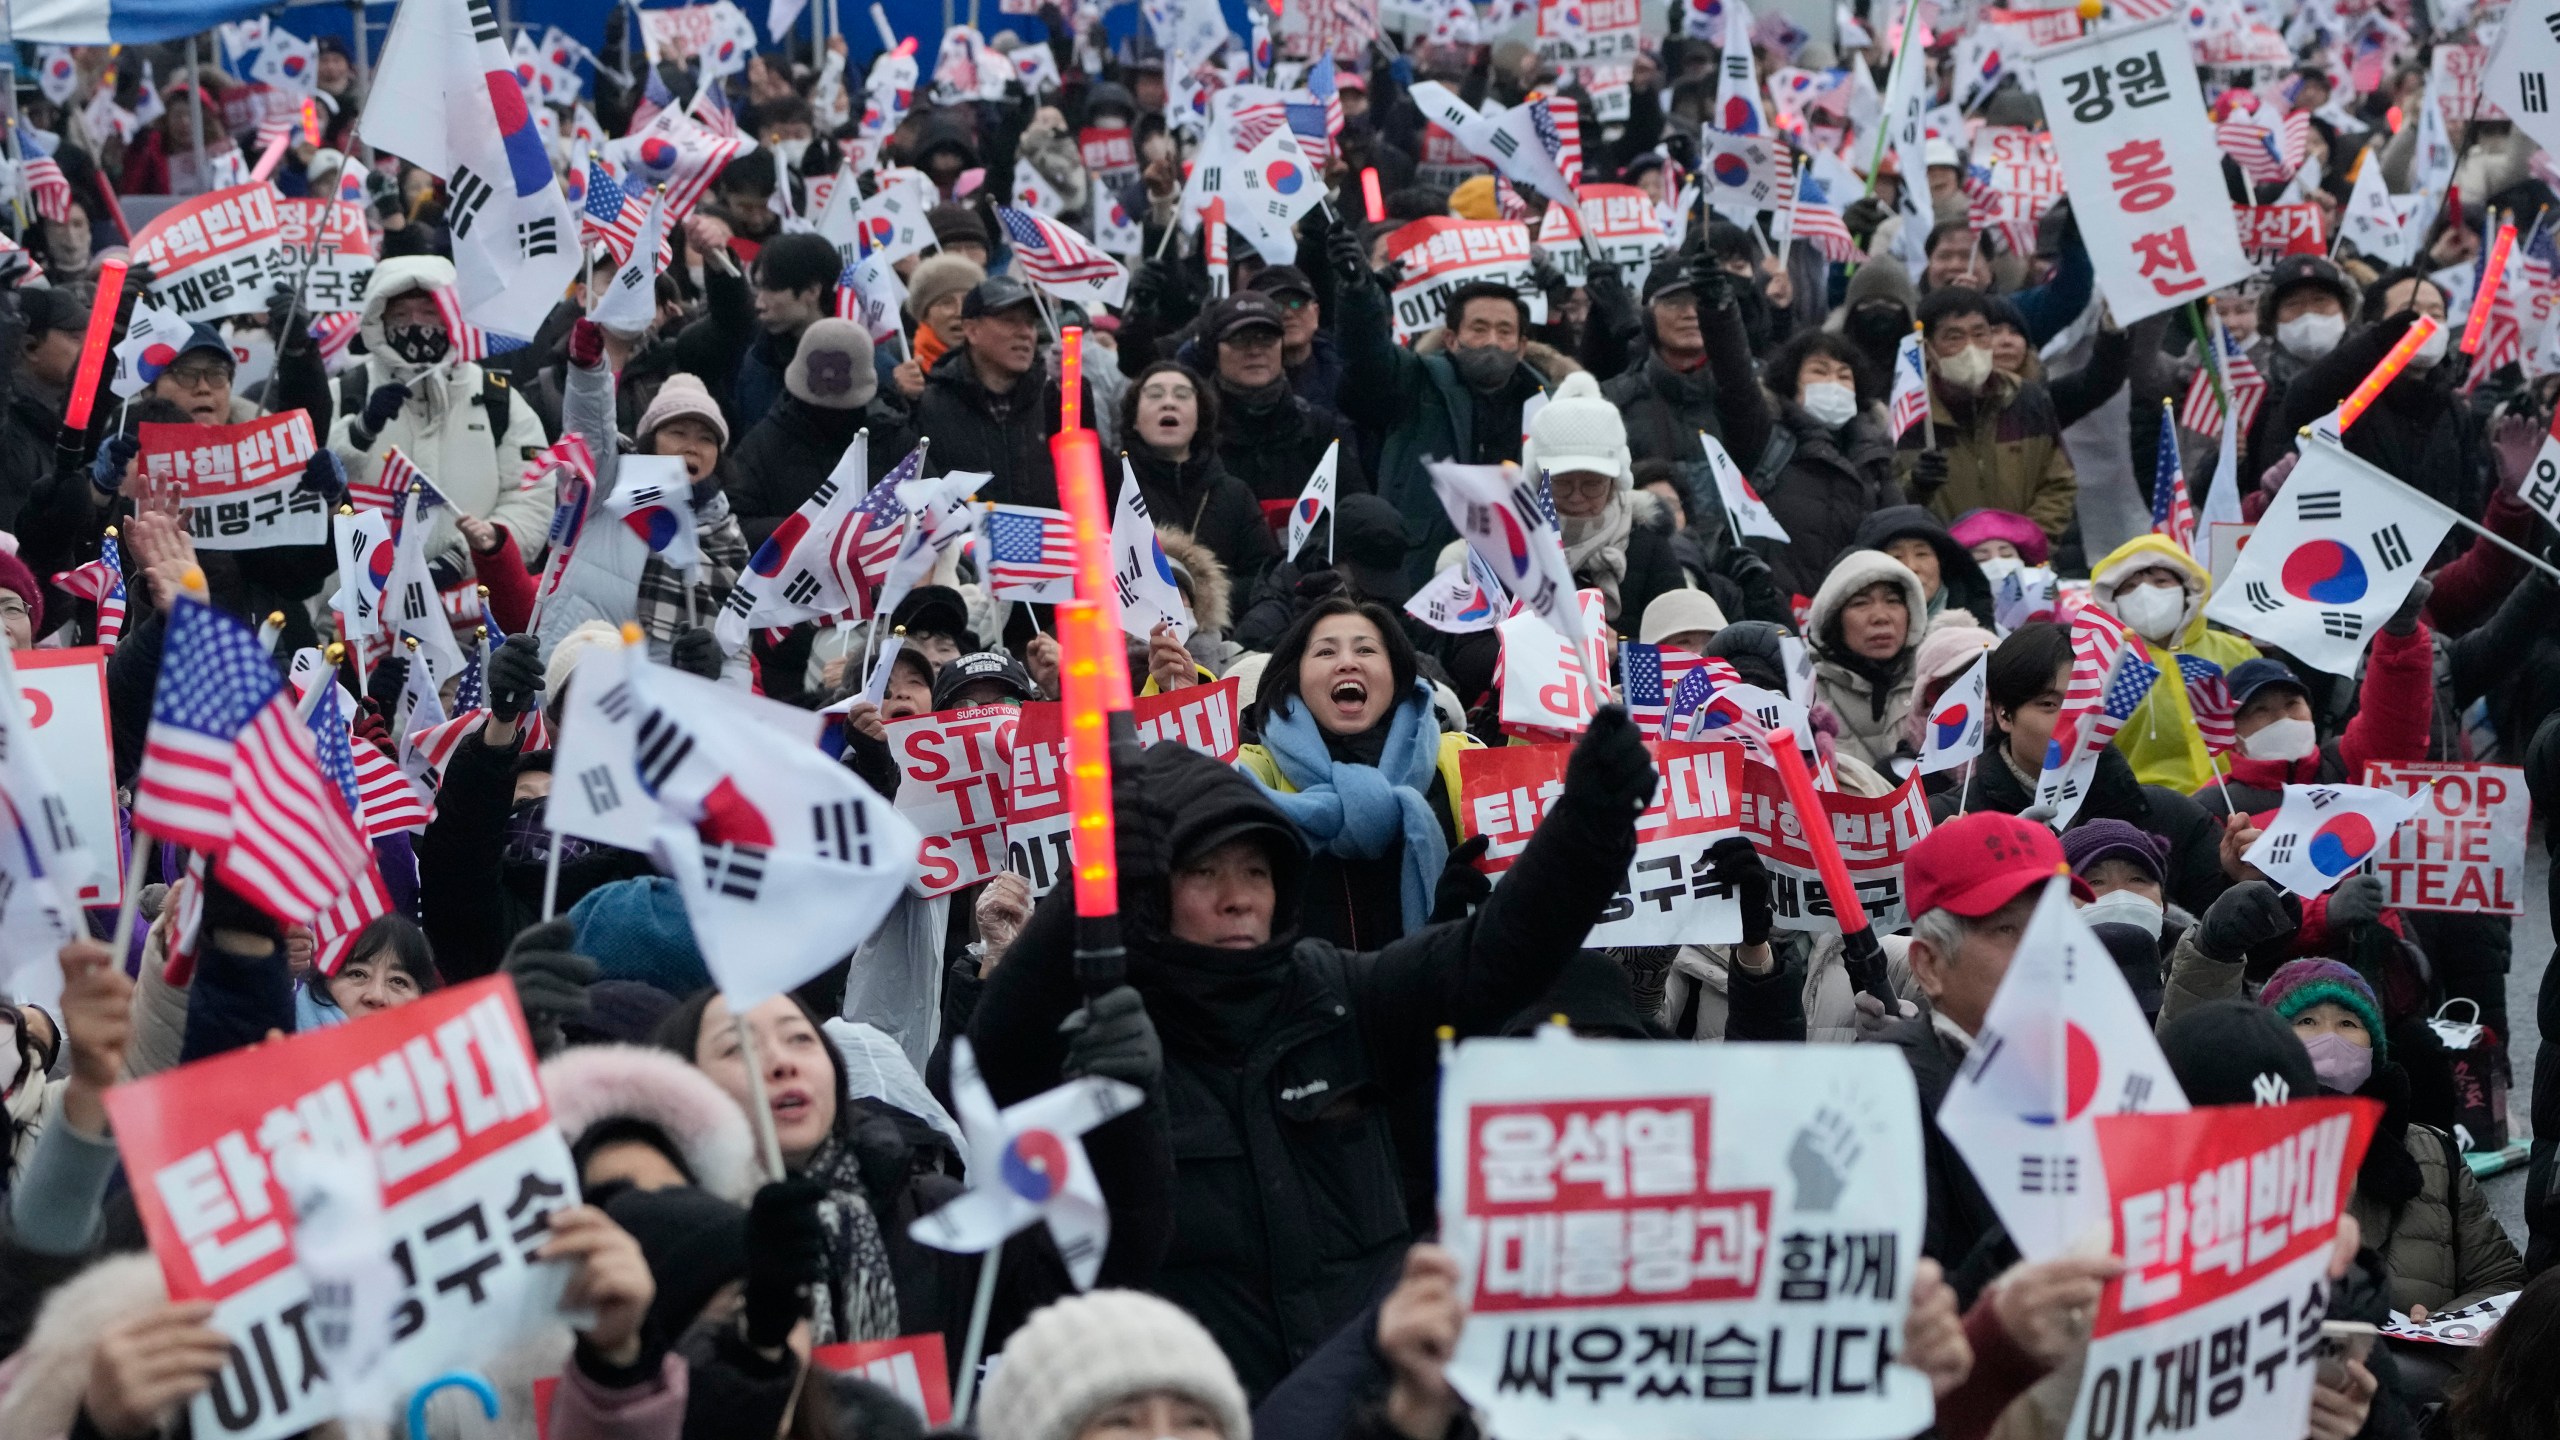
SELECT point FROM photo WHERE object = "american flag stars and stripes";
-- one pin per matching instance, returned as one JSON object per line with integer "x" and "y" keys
{"x": 102, "y": 582}
{"x": 2098, "y": 640}
{"x": 1052, "y": 256}
{"x": 711, "y": 108}
{"x": 2173, "y": 513}
{"x": 1029, "y": 549}
{"x": 331, "y": 746}
{"x": 2209, "y": 700}
{"x": 1818, "y": 217}
{"x": 2133, "y": 680}
{"x": 1559, "y": 125}
{"x": 227, "y": 768}
{"x": 611, "y": 216}
{"x": 1910, "y": 386}
{"x": 871, "y": 536}
{"x": 1658, "y": 683}
{"x": 2202, "y": 412}
{"x": 47, "y": 187}
{"x": 435, "y": 744}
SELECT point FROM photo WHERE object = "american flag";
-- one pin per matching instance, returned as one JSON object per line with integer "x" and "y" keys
{"x": 102, "y": 581}
{"x": 1027, "y": 548}
{"x": 1049, "y": 254}
{"x": 1559, "y": 124}
{"x": 2209, "y": 699}
{"x": 1317, "y": 119}
{"x": 2109, "y": 677}
{"x": 1818, "y": 218}
{"x": 2269, "y": 154}
{"x": 435, "y": 745}
{"x": 2172, "y": 512}
{"x": 870, "y": 537}
{"x": 227, "y": 768}
{"x": 335, "y": 333}
{"x": 48, "y": 187}
{"x": 1339, "y": 27}
{"x": 711, "y": 107}
{"x": 575, "y": 465}
{"x": 611, "y": 216}
{"x": 2202, "y": 412}
{"x": 654, "y": 97}
{"x": 334, "y": 929}
{"x": 1910, "y": 386}
{"x": 470, "y": 342}
{"x": 379, "y": 798}
{"x": 1662, "y": 684}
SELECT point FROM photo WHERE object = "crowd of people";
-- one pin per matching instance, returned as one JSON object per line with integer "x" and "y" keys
{"x": 1321, "y": 906}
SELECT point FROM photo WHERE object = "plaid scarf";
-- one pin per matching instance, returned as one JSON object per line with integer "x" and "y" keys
{"x": 661, "y": 605}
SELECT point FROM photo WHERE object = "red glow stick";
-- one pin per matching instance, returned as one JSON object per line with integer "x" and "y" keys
{"x": 1816, "y": 824}
{"x": 1076, "y": 454}
{"x": 1086, "y": 636}
{"x": 1370, "y": 193}
{"x": 2485, "y": 298}
{"x": 2371, "y": 387}
{"x": 1071, "y": 378}
{"x": 93, "y": 347}
{"x": 275, "y": 154}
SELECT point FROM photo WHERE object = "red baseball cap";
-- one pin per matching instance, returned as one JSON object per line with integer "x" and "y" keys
{"x": 1976, "y": 863}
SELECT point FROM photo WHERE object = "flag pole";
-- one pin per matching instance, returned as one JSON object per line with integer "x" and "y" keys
{"x": 135, "y": 868}
{"x": 550, "y": 866}
{"x": 1928, "y": 395}
{"x": 195, "y": 105}
{"x": 762, "y": 1109}
{"x": 973, "y": 1349}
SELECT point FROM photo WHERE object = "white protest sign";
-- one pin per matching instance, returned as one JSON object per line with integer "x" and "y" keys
{"x": 2467, "y": 1327}
{"x": 1670, "y": 895}
{"x": 1658, "y": 1242}
{"x": 240, "y": 485}
{"x": 955, "y": 769}
{"x": 2145, "y": 176}
{"x": 2464, "y": 849}
{"x": 1438, "y": 254}
{"x": 1545, "y": 692}
{"x": 65, "y": 694}
{"x": 218, "y": 254}
{"x": 1036, "y": 818}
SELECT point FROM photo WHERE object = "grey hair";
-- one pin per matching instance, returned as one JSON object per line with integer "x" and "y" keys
{"x": 1943, "y": 931}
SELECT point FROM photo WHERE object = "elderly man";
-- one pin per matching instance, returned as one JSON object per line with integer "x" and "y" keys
{"x": 987, "y": 405}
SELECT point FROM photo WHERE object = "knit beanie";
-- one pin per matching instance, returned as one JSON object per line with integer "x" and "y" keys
{"x": 571, "y": 649}
{"x": 1578, "y": 430}
{"x": 938, "y": 277}
{"x": 2298, "y": 985}
{"x": 695, "y": 1242}
{"x": 636, "y": 929}
{"x": 2091, "y": 841}
{"x": 958, "y": 225}
{"x": 1474, "y": 199}
{"x": 1086, "y": 1352}
{"x": 682, "y": 395}
{"x": 832, "y": 369}
{"x": 1975, "y": 526}
{"x": 20, "y": 581}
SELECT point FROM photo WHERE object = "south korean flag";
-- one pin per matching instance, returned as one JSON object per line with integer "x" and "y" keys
{"x": 2331, "y": 559}
{"x": 2324, "y": 833}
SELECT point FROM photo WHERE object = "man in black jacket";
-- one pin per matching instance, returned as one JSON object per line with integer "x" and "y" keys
{"x": 1283, "y": 1056}
{"x": 1273, "y": 437}
{"x": 990, "y": 404}
{"x": 1694, "y": 376}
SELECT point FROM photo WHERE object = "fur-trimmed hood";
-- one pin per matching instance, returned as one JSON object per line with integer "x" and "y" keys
{"x": 1853, "y": 572}
{"x": 591, "y": 1084}
{"x": 1212, "y": 589}
{"x": 1550, "y": 362}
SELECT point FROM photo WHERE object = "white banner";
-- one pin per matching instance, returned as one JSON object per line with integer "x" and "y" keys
{"x": 2464, "y": 849}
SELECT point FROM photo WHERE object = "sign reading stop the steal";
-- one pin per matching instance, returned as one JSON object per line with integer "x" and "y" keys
{"x": 2464, "y": 849}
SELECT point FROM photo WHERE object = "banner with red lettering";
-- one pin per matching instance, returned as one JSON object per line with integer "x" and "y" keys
{"x": 218, "y": 254}
{"x": 1660, "y": 1242}
{"x": 2271, "y": 232}
{"x": 955, "y": 768}
{"x": 1438, "y": 254}
{"x": 1670, "y": 895}
{"x": 1446, "y": 164}
{"x": 2464, "y": 850}
{"x": 1874, "y": 834}
{"x": 441, "y": 1098}
{"x": 1111, "y": 154}
{"x": 1036, "y": 822}
{"x": 910, "y": 1367}
{"x": 2129, "y": 127}
{"x": 240, "y": 486}
{"x": 1546, "y": 693}
{"x": 2224, "y": 1217}
{"x": 1621, "y": 221}
{"x": 325, "y": 241}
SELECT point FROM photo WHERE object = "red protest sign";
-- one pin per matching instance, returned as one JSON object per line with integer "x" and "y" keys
{"x": 1438, "y": 254}
{"x": 1670, "y": 895}
{"x": 2464, "y": 850}
{"x": 2271, "y": 232}
{"x": 238, "y": 485}
{"x": 955, "y": 768}
{"x": 1036, "y": 821}
{"x": 215, "y": 255}
{"x": 1111, "y": 154}
{"x": 1874, "y": 834}
{"x": 327, "y": 243}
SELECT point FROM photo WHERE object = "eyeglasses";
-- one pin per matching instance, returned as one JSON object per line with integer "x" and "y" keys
{"x": 1293, "y": 303}
{"x": 198, "y": 377}
{"x": 1581, "y": 482}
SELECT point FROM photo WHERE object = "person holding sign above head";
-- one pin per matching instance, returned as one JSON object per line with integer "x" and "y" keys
{"x": 1283, "y": 1052}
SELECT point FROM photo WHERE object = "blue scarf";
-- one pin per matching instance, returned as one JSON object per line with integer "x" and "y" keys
{"x": 1357, "y": 811}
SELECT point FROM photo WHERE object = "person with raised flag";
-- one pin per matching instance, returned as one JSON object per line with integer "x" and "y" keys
{"x": 1992, "y": 440}
{"x": 2159, "y": 591}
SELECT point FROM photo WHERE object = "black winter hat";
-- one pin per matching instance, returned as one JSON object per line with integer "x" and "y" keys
{"x": 2296, "y": 272}
{"x": 1751, "y": 647}
{"x": 797, "y": 262}
{"x": 2231, "y": 1052}
{"x": 1212, "y": 804}
{"x": 695, "y": 1242}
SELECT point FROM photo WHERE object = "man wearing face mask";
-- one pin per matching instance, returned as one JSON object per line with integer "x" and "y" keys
{"x": 2302, "y": 315}
{"x": 2159, "y": 592}
{"x": 2279, "y": 743}
{"x": 1999, "y": 440}
{"x": 2419, "y": 431}
{"x": 458, "y": 423}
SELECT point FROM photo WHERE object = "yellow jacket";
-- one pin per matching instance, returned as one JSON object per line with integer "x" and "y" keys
{"x": 2161, "y": 738}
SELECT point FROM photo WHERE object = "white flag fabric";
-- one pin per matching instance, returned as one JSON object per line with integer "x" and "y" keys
{"x": 879, "y": 298}
{"x": 1497, "y": 511}
{"x": 596, "y": 756}
{"x": 1906, "y": 113}
{"x": 1032, "y": 191}
{"x": 2541, "y": 488}
{"x": 2431, "y": 168}
{"x": 2323, "y": 833}
{"x": 1250, "y": 159}
{"x": 2374, "y": 220}
{"x": 1953, "y": 735}
{"x": 889, "y": 225}
{"x": 652, "y": 495}
{"x": 2145, "y": 175}
{"x": 943, "y": 515}
{"x": 2519, "y": 74}
{"x": 731, "y": 43}
{"x": 365, "y": 553}
{"x": 412, "y": 604}
{"x": 1749, "y": 513}
{"x": 151, "y": 344}
{"x": 1508, "y": 140}
{"x": 790, "y": 578}
{"x": 1457, "y": 602}
{"x": 289, "y": 63}
{"x": 2332, "y": 558}
{"x": 2063, "y": 1043}
{"x": 1027, "y": 1166}
{"x": 445, "y": 98}
{"x": 629, "y": 303}
{"x": 1314, "y": 503}
{"x": 769, "y": 918}
{"x": 1149, "y": 595}
{"x": 43, "y": 860}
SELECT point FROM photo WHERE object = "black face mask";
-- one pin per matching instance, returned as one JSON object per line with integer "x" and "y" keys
{"x": 418, "y": 344}
{"x": 1877, "y": 329}
{"x": 528, "y": 842}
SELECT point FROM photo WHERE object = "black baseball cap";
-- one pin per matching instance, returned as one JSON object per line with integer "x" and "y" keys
{"x": 2251, "y": 676}
{"x": 932, "y": 609}
{"x": 1667, "y": 277}
{"x": 1282, "y": 280}
{"x": 1244, "y": 311}
{"x": 995, "y": 295}
{"x": 992, "y": 665}
{"x": 47, "y": 309}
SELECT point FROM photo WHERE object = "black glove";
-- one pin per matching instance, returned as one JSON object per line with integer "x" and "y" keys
{"x": 382, "y": 688}
{"x": 1928, "y": 473}
{"x": 106, "y": 472}
{"x": 1610, "y": 766}
{"x": 786, "y": 1251}
{"x": 1710, "y": 282}
{"x": 514, "y": 677}
{"x": 2357, "y": 901}
{"x": 1863, "y": 216}
{"x": 551, "y": 981}
{"x": 1549, "y": 280}
{"x": 2245, "y": 917}
{"x": 1349, "y": 259}
{"x": 282, "y": 313}
{"x": 696, "y": 651}
{"x": 382, "y": 405}
{"x": 1740, "y": 564}
{"x": 1738, "y": 868}
{"x": 1112, "y": 1037}
{"x": 325, "y": 475}
{"x": 1462, "y": 886}
{"x": 2405, "y": 619}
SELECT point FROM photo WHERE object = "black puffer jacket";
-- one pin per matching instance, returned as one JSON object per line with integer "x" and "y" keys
{"x": 973, "y": 428}
{"x": 1666, "y": 408}
{"x": 2195, "y": 837}
{"x": 1198, "y": 496}
{"x": 1822, "y": 484}
{"x": 1282, "y": 1062}
{"x": 791, "y": 452}
{"x": 2420, "y": 431}
{"x": 1275, "y": 445}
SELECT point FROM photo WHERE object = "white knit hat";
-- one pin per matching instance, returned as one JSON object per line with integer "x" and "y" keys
{"x": 1675, "y": 612}
{"x": 1075, "y": 1357}
{"x": 1578, "y": 430}
{"x": 572, "y": 648}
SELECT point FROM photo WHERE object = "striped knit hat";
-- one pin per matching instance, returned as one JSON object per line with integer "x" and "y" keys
{"x": 2300, "y": 984}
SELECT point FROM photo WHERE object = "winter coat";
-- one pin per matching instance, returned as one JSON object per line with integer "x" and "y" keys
{"x": 1653, "y": 561}
{"x": 1274, "y": 448}
{"x": 1199, "y": 496}
{"x": 1961, "y": 584}
{"x": 2419, "y": 431}
{"x": 1282, "y": 1063}
{"x": 2004, "y": 452}
{"x": 1821, "y": 484}
{"x": 2195, "y": 870}
{"x": 445, "y": 427}
{"x": 1666, "y": 409}
{"x": 1357, "y": 903}
{"x": 1414, "y": 399}
{"x": 1962, "y": 1232}
{"x": 2443, "y": 1247}
{"x": 1870, "y": 720}
{"x": 973, "y": 428}
{"x": 2161, "y": 737}
{"x": 791, "y": 452}
{"x": 2394, "y": 705}
{"x": 595, "y": 1085}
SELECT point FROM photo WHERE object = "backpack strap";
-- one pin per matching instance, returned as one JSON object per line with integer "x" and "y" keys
{"x": 497, "y": 398}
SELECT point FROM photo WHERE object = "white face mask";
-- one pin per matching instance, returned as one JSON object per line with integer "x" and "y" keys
{"x": 1832, "y": 404}
{"x": 2285, "y": 739}
{"x": 2126, "y": 907}
{"x": 790, "y": 151}
{"x": 2308, "y": 337}
{"x": 2154, "y": 611}
{"x": 1998, "y": 566}
{"x": 1967, "y": 368}
{"x": 2429, "y": 353}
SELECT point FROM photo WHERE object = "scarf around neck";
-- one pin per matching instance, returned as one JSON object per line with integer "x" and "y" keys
{"x": 1595, "y": 547}
{"x": 856, "y": 1297}
{"x": 1357, "y": 810}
